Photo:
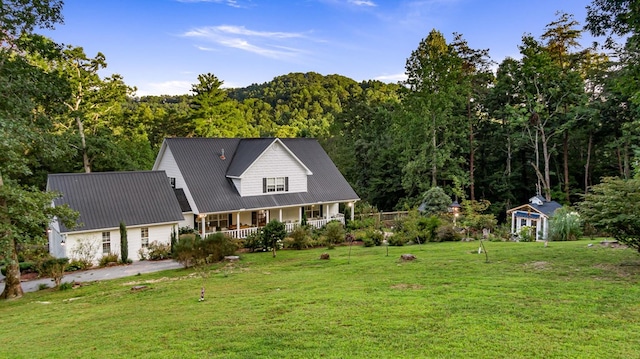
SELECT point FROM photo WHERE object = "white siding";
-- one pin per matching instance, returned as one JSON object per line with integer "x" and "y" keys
{"x": 276, "y": 161}
{"x": 188, "y": 220}
{"x": 160, "y": 233}
{"x": 168, "y": 164}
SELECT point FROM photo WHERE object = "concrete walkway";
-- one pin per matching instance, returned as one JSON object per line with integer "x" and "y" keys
{"x": 101, "y": 273}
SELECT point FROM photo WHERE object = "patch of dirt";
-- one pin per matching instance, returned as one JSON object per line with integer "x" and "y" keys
{"x": 540, "y": 265}
{"x": 403, "y": 286}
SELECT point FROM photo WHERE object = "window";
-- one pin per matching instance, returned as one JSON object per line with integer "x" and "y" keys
{"x": 106, "y": 242}
{"x": 219, "y": 220}
{"x": 144, "y": 237}
{"x": 172, "y": 181}
{"x": 275, "y": 184}
{"x": 312, "y": 211}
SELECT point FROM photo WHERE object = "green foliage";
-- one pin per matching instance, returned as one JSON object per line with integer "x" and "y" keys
{"x": 253, "y": 241}
{"x": 299, "y": 238}
{"x": 334, "y": 232}
{"x": 65, "y": 286}
{"x": 158, "y": 251}
{"x": 53, "y": 268}
{"x": 436, "y": 201}
{"x": 417, "y": 228}
{"x": 613, "y": 206}
{"x": 75, "y": 265}
{"x": 174, "y": 239}
{"x": 565, "y": 225}
{"x": 192, "y": 250}
{"x": 107, "y": 259}
{"x": 43, "y": 286}
{"x": 124, "y": 243}
{"x": 366, "y": 222}
{"x": 25, "y": 267}
{"x": 473, "y": 218}
{"x": 375, "y": 236}
{"x": 273, "y": 234}
{"x": 396, "y": 239}
{"x": 447, "y": 233}
{"x": 84, "y": 251}
{"x": 527, "y": 234}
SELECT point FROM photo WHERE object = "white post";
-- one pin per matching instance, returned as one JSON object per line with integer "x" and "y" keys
{"x": 268, "y": 215}
{"x": 352, "y": 205}
{"x": 237, "y": 224}
{"x": 202, "y": 227}
{"x": 280, "y": 215}
{"x": 513, "y": 222}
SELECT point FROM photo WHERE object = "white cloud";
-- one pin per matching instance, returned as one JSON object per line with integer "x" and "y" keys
{"x": 164, "y": 88}
{"x": 264, "y": 43}
{"x": 232, "y": 3}
{"x": 362, "y": 3}
{"x": 392, "y": 78}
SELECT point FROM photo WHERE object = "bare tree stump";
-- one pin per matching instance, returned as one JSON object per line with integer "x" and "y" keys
{"x": 407, "y": 257}
{"x": 324, "y": 256}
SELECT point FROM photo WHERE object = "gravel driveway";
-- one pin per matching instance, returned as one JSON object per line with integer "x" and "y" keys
{"x": 102, "y": 273}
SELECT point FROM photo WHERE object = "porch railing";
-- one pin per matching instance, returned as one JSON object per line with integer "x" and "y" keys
{"x": 289, "y": 227}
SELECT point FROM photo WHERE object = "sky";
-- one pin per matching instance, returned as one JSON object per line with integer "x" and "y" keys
{"x": 161, "y": 46}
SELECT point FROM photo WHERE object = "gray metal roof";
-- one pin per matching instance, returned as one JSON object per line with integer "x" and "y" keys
{"x": 547, "y": 207}
{"x": 204, "y": 173}
{"x": 104, "y": 199}
{"x": 248, "y": 151}
{"x": 182, "y": 200}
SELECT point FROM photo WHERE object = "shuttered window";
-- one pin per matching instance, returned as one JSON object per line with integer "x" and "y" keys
{"x": 275, "y": 184}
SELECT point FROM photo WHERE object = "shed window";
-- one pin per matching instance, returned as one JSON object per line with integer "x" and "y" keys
{"x": 106, "y": 242}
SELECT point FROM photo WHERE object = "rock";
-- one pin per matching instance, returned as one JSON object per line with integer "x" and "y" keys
{"x": 407, "y": 257}
{"x": 324, "y": 256}
{"x": 138, "y": 288}
{"x": 231, "y": 258}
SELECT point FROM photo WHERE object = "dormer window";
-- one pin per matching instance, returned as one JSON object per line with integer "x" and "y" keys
{"x": 275, "y": 184}
{"x": 172, "y": 181}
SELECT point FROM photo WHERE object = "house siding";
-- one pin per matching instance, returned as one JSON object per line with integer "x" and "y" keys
{"x": 276, "y": 161}
{"x": 168, "y": 164}
{"x": 157, "y": 233}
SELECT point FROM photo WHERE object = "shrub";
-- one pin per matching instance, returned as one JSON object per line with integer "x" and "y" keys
{"x": 143, "y": 254}
{"x": 334, "y": 232}
{"x": 300, "y": 238}
{"x": 43, "y": 286}
{"x": 273, "y": 234}
{"x": 253, "y": 241}
{"x": 396, "y": 239}
{"x": 527, "y": 234}
{"x": 65, "y": 286}
{"x": 447, "y": 233}
{"x": 54, "y": 268}
{"x": 565, "y": 225}
{"x": 108, "y": 258}
{"x": 191, "y": 250}
{"x": 25, "y": 267}
{"x": 368, "y": 242}
{"x": 375, "y": 235}
{"x": 361, "y": 223}
{"x": 159, "y": 251}
{"x": 84, "y": 251}
{"x": 75, "y": 265}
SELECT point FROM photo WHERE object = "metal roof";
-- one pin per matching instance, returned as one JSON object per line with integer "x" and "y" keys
{"x": 205, "y": 173}
{"x": 104, "y": 199}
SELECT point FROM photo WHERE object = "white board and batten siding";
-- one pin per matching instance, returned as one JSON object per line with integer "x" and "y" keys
{"x": 276, "y": 161}
{"x": 157, "y": 233}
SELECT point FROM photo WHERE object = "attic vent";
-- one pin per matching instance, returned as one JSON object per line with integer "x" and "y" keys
{"x": 222, "y": 155}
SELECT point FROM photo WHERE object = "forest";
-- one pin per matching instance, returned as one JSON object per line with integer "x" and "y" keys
{"x": 553, "y": 122}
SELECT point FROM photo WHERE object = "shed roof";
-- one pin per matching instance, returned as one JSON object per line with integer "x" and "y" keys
{"x": 205, "y": 172}
{"x": 104, "y": 199}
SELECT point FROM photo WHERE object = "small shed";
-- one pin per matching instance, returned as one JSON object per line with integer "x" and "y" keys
{"x": 534, "y": 214}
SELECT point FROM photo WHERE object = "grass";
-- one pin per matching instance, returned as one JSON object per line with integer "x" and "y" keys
{"x": 565, "y": 301}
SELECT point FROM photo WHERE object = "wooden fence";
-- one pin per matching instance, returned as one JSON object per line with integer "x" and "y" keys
{"x": 387, "y": 219}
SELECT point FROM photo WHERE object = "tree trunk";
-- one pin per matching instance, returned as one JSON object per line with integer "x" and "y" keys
{"x": 434, "y": 166}
{"x": 547, "y": 172}
{"x": 85, "y": 155}
{"x": 626, "y": 167}
{"x": 472, "y": 194}
{"x": 12, "y": 286}
{"x": 587, "y": 164}
{"x": 565, "y": 150}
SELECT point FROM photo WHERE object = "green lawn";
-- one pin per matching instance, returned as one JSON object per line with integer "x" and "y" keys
{"x": 565, "y": 301}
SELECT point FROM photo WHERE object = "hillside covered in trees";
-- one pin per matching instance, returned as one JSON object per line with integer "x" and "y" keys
{"x": 555, "y": 121}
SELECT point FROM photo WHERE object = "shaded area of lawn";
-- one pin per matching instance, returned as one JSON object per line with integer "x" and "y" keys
{"x": 567, "y": 300}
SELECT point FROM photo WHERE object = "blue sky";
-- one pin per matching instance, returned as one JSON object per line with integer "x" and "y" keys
{"x": 160, "y": 46}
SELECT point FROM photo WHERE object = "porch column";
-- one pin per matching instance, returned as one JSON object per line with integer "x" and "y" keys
{"x": 280, "y": 214}
{"x": 267, "y": 215}
{"x": 352, "y": 205}
{"x": 237, "y": 224}
{"x": 538, "y": 228}
{"x": 202, "y": 227}
{"x": 545, "y": 228}
{"x": 513, "y": 222}
{"x": 300, "y": 215}
{"x": 326, "y": 211}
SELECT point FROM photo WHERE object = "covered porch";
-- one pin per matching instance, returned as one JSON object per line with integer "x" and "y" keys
{"x": 242, "y": 223}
